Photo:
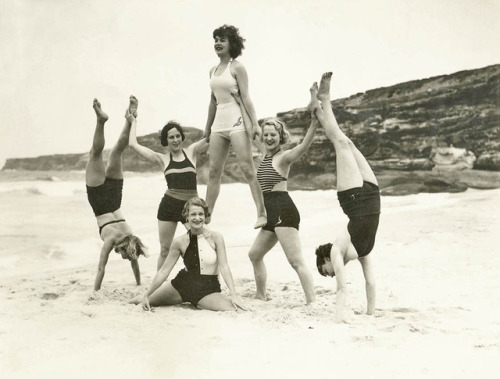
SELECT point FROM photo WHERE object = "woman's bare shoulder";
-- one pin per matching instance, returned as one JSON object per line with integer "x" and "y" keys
{"x": 181, "y": 242}
{"x": 212, "y": 70}
{"x": 237, "y": 65}
{"x": 217, "y": 236}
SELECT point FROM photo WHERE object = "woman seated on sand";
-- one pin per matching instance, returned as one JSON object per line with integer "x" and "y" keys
{"x": 179, "y": 167}
{"x": 204, "y": 253}
{"x": 359, "y": 197}
{"x": 282, "y": 215}
{"x": 104, "y": 192}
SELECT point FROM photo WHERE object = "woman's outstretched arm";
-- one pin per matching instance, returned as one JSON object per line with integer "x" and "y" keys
{"x": 338, "y": 266}
{"x": 103, "y": 260}
{"x": 197, "y": 147}
{"x": 212, "y": 109}
{"x": 136, "y": 270}
{"x": 242, "y": 80}
{"x": 163, "y": 272}
{"x": 143, "y": 151}
{"x": 292, "y": 155}
{"x": 366, "y": 264}
{"x": 220, "y": 249}
{"x": 246, "y": 120}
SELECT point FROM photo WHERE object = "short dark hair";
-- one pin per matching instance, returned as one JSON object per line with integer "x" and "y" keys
{"x": 233, "y": 36}
{"x": 322, "y": 252}
{"x": 164, "y": 132}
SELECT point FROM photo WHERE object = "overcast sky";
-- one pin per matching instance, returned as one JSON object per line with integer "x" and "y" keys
{"x": 57, "y": 55}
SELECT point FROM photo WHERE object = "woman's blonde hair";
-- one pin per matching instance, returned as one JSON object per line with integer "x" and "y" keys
{"x": 132, "y": 246}
{"x": 280, "y": 127}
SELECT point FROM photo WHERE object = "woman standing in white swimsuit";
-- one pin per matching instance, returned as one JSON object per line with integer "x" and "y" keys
{"x": 225, "y": 124}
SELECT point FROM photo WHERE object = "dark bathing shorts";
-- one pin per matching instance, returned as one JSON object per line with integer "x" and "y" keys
{"x": 107, "y": 197}
{"x": 281, "y": 211}
{"x": 362, "y": 206}
{"x": 170, "y": 209}
{"x": 194, "y": 287}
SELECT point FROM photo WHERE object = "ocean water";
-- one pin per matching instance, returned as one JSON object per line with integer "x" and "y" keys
{"x": 48, "y": 224}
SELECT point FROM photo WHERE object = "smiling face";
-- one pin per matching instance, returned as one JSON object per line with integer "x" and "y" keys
{"x": 221, "y": 45}
{"x": 196, "y": 217}
{"x": 270, "y": 138}
{"x": 174, "y": 138}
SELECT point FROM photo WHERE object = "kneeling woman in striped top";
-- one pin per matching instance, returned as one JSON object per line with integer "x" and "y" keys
{"x": 282, "y": 215}
{"x": 204, "y": 253}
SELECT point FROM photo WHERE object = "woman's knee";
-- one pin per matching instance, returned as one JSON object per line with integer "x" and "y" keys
{"x": 95, "y": 153}
{"x": 296, "y": 262}
{"x": 214, "y": 172}
{"x": 216, "y": 302}
{"x": 255, "y": 256}
{"x": 248, "y": 170}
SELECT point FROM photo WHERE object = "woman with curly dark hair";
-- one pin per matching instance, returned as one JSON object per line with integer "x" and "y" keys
{"x": 178, "y": 165}
{"x": 359, "y": 196}
{"x": 225, "y": 125}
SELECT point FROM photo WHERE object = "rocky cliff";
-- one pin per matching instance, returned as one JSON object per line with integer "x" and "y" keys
{"x": 435, "y": 134}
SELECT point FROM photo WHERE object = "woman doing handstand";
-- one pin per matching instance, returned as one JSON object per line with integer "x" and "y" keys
{"x": 359, "y": 197}
{"x": 104, "y": 192}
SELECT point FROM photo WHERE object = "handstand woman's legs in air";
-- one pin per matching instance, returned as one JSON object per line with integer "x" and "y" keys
{"x": 352, "y": 167}
{"x": 114, "y": 169}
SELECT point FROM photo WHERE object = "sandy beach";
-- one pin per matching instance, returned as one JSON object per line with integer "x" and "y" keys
{"x": 437, "y": 258}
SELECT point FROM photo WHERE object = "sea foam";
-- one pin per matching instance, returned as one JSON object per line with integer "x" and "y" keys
{"x": 49, "y": 188}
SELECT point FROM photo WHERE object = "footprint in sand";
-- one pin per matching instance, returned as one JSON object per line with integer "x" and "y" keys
{"x": 49, "y": 296}
{"x": 322, "y": 291}
{"x": 244, "y": 280}
{"x": 403, "y": 310}
{"x": 362, "y": 339}
{"x": 414, "y": 329}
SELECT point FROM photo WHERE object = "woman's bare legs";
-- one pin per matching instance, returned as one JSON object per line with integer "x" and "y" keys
{"x": 165, "y": 295}
{"x": 166, "y": 232}
{"x": 243, "y": 151}
{"x": 94, "y": 172}
{"x": 264, "y": 242}
{"x": 217, "y": 152}
{"x": 348, "y": 174}
{"x": 332, "y": 130}
{"x": 216, "y": 302}
{"x": 290, "y": 242}
{"x": 363, "y": 165}
{"x": 114, "y": 169}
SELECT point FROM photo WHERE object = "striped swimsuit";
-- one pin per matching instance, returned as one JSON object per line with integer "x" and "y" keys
{"x": 281, "y": 211}
{"x": 267, "y": 176}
